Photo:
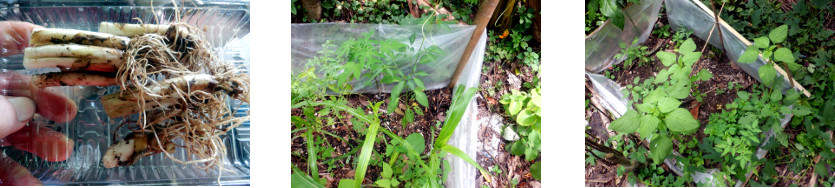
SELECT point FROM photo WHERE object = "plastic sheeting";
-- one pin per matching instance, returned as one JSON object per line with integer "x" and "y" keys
{"x": 686, "y": 13}
{"x": 691, "y": 15}
{"x": 465, "y": 136}
{"x": 307, "y": 40}
{"x": 600, "y": 43}
{"x": 227, "y": 29}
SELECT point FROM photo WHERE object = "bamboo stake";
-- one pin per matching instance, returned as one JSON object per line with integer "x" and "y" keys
{"x": 481, "y": 20}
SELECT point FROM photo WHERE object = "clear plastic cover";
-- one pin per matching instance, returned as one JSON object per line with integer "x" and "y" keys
{"x": 602, "y": 44}
{"x": 686, "y": 13}
{"x": 227, "y": 30}
{"x": 307, "y": 40}
{"x": 465, "y": 136}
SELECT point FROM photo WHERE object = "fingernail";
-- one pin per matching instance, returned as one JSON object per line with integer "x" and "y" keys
{"x": 24, "y": 107}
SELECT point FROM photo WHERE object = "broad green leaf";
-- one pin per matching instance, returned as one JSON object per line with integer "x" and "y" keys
{"x": 791, "y": 97}
{"x": 680, "y": 120}
{"x": 654, "y": 96}
{"x": 395, "y": 96}
{"x": 660, "y": 148}
{"x": 668, "y": 104}
{"x": 662, "y": 76}
{"x": 421, "y": 74}
{"x": 682, "y": 73}
{"x": 649, "y": 124}
{"x": 536, "y": 97}
{"x": 515, "y": 107}
{"x": 691, "y": 58}
{"x": 705, "y": 75}
{"x": 751, "y": 54}
{"x": 801, "y": 111}
{"x": 383, "y": 183}
{"x": 767, "y": 74}
{"x": 531, "y": 154}
{"x": 645, "y": 107}
{"x": 793, "y": 66}
{"x": 744, "y": 95}
{"x": 762, "y": 42}
{"x": 784, "y": 55}
{"x": 386, "y": 171}
{"x": 526, "y": 118}
{"x": 608, "y": 7}
{"x": 419, "y": 84}
{"x": 536, "y": 170}
{"x": 666, "y": 58}
{"x": 779, "y": 34}
{"x": 421, "y": 98}
{"x": 517, "y": 148}
{"x": 618, "y": 19}
{"x": 679, "y": 90}
{"x": 776, "y": 95}
{"x": 417, "y": 142}
{"x": 409, "y": 149}
{"x": 387, "y": 79}
{"x": 412, "y": 39}
{"x": 687, "y": 46}
{"x": 627, "y": 123}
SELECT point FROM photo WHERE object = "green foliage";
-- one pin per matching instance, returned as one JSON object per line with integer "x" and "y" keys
{"x": 662, "y": 31}
{"x": 736, "y": 132}
{"x": 771, "y": 54}
{"x": 525, "y": 108}
{"x": 633, "y": 53}
{"x": 380, "y": 11}
{"x": 658, "y": 115}
{"x": 514, "y": 45}
{"x": 517, "y": 48}
{"x": 610, "y": 9}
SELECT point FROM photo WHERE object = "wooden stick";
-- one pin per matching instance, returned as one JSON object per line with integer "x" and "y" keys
{"x": 748, "y": 43}
{"x": 482, "y": 17}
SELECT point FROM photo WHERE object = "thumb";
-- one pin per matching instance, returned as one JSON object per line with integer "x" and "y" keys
{"x": 14, "y": 113}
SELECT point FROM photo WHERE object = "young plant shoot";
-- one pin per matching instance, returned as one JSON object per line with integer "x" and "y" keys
{"x": 659, "y": 115}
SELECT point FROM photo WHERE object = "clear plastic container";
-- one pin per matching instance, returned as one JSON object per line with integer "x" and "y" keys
{"x": 227, "y": 27}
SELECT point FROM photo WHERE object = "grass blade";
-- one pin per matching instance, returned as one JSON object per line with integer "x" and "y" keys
{"x": 354, "y": 112}
{"x": 365, "y": 154}
{"x": 457, "y": 152}
{"x": 456, "y": 111}
{"x": 311, "y": 156}
{"x": 301, "y": 180}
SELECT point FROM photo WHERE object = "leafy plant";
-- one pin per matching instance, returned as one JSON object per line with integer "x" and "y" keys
{"x": 658, "y": 115}
{"x": 525, "y": 109}
{"x": 662, "y": 31}
{"x": 611, "y": 9}
{"x": 772, "y": 53}
{"x": 411, "y": 147}
{"x": 633, "y": 53}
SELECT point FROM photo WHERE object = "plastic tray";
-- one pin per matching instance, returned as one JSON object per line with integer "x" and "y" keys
{"x": 227, "y": 28}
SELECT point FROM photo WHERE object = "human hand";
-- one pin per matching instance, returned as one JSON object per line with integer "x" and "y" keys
{"x": 19, "y": 101}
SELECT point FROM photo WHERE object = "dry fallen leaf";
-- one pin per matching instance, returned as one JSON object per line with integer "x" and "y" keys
{"x": 695, "y": 109}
